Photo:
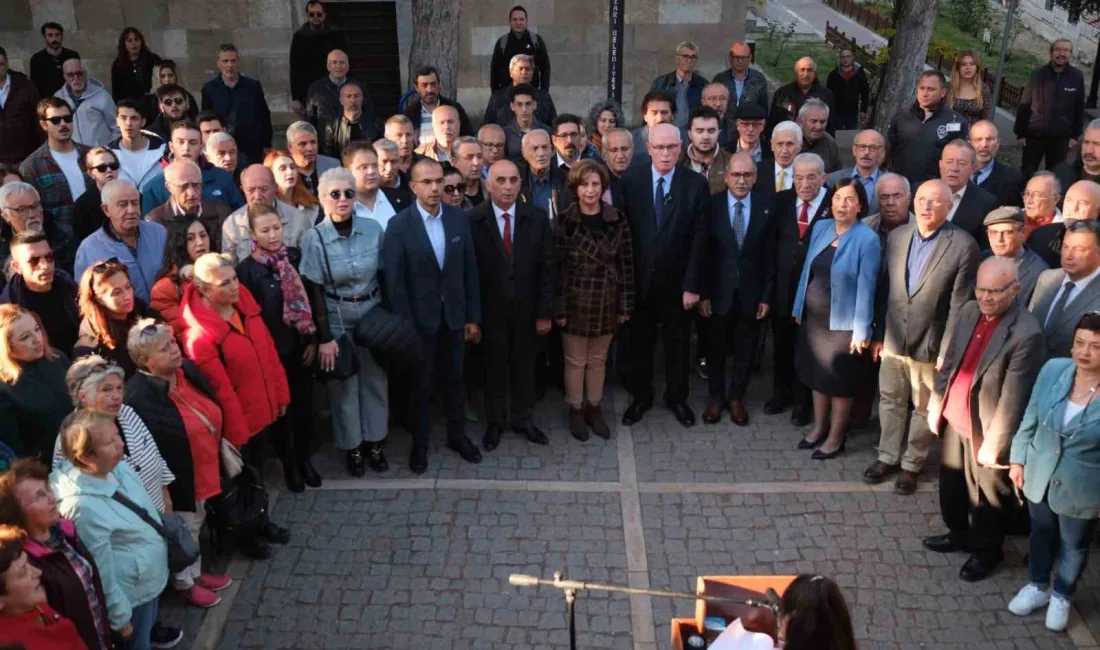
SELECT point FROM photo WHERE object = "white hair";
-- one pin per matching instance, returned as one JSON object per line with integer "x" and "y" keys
{"x": 523, "y": 143}
{"x": 16, "y": 187}
{"x": 221, "y": 137}
{"x": 113, "y": 188}
{"x": 84, "y": 376}
{"x": 206, "y": 264}
{"x": 813, "y": 103}
{"x": 810, "y": 159}
{"x": 1046, "y": 173}
{"x": 300, "y": 126}
{"x": 788, "y": 126}
{"x": 524, "y": 58}
{"x": 389, "y": 146}
{"x": 890, "y": 176}
{"x": 332, "y": 177}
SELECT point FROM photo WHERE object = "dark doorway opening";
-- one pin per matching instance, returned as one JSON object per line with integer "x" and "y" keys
{"x": 371, "y": 32}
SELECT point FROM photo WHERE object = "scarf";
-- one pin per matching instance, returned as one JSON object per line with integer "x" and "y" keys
{"x": 296, "y": 311}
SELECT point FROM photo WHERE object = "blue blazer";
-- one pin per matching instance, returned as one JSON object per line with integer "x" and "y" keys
{"x": 417, "y": 288}
{"x": 854, "y": 276}
{"x": 1060, "y": 462}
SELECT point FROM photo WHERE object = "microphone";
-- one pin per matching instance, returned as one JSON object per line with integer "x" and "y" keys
{"x": 520, "y": 580}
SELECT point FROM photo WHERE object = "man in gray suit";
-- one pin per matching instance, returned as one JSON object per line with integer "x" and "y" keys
{"x": 301, "y": 141}
{"x": 982, "y": 388}
{"x": 1063, "y": 295}
{"x": 1005, "y": 229}
{"x": 929, "y": 275}
{"x": 869, "y": 150}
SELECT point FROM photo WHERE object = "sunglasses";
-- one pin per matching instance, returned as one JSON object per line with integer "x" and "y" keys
{"x": 150, "y": 330}
{"x": 37, "y": 260}
{"x": 174, "y": 101}
{"x": 106, "y": 167}
{"x": 455, "y": 189}
{"x": 109, "y": 263}
{"x": 347, "y": 194}
{"x": 58, "y": 119}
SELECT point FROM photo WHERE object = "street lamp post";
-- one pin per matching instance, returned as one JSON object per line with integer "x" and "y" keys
{"x": 1010, "y": 6}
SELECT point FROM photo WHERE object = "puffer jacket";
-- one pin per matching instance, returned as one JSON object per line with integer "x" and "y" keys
{"x": 131, "y": 556}
{"x": 93, "y": 116}
{"x": 243, "y": 369}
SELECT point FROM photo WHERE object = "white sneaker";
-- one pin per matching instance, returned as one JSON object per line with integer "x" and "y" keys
{"x": 1057, "y": 614}
{"x": 1029, "y": 599}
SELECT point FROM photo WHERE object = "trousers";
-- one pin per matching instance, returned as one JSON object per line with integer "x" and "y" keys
{"x": 905, "y": 436}
{"x": 976, "y": 502}
{"x": 585, "y": 368}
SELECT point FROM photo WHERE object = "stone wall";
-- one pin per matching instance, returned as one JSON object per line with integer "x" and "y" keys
{"x": 1053, "y": 23}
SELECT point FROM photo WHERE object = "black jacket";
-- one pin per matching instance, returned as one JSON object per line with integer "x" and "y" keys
{"x": 852, "y": 96}
{"x": 148, "y": 396}
{"x": 557, "y": 187}
{"x": 976, "y": 203}
{"x": 1046, "y": 242}
{"x": 741, "y": 277}
{"x": 151, "y": 112}
{"x": 133, "y": 81}
{"x": 263, "y": 283}
{"x": 1007, "y": 184}
{"x": 1052, "y": 104}
{"x": 19, "y": 132}
{"x": 323, "y": 104}
{"x": 791, "y": 247}
{"x": 88, "y": 215}
{"x": 788, "y": 99}
{"x": 412, "y": 111}
{"x": 61, "y": 335}
{"x": 31, "y": 409}
{"x": 337, "y": 134}
{"x": 308, "y": 55}
{"x": 914, "y": 145}
{"x": 499, "y": 108}
{"x": 1069, "y": 171}
{"x": 244, "y": 114}
{"x": 507, "y": 47}
{"x": 45, "y": 70}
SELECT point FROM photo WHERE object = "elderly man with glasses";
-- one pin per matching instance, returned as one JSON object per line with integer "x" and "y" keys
{"x": 93, "y": 108}
{"x": 746, "y": 85}
{"x": 183, "y": 179}
{"x": 21, "y": 211}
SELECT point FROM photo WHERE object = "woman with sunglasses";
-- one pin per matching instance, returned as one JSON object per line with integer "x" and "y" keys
{"x": 454, "y": 188}
{"x": 289, "y": 186}
{"x": 33, "y": 396}
{"x": 188, "y": 239}
{"x": 102, "y": 165}
{"x": 108, "y": 308}
{"x": 132, "y": 71}
{"x": 340, "y": 260}
{"x": 1055, "y": 462}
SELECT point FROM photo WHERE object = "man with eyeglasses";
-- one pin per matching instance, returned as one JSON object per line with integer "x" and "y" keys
{"x": 891, "y": 206}
{"x": 919, "y": 312}
{"x": 18, "y": 127}
{"x": 309, "y": 50}
{"x": 21, "y": 210}
{"x": 217, "y": 184}
{"x": 746, "y": 84}
{"x": 1004, "y": 182}
{"x": 38, "y": 285}
{"x": 1004, "y": 228}
{"x": 1041, "y": 198}
{"x": 239, "y": 101}
{"x": 183, "y": 180}
{"x": 568, "y": 142}
{"x": 138, "y": 154}
{"x": 56, "y": 169}
{"x": 618, "y": 152}
{"x": 470, "y": 162}
{"x": 173, "y": 103}
{"x": 1062, "y": 295}
{"x": 869, "y": 150}
{"x": 103, "y": 167}
{"x": 1051, "y": 110}
{"x": 981, "y": 391}
{"x": 519, "y": 40}
{"x": 499, "y": 110}
{"x": 1082, "y": 203}
{"x": 683, "y": 83}
{"x": 167, "y": 74}
{"x": 969, "y": 203}
{"x": 750, "y": 132}
{"x": 492, "y": 141}
{"x": 93, "y": 108}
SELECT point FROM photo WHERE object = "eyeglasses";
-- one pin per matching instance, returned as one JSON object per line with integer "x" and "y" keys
{"x": 689, "y": 57}
{"x": 455, "y": 189}
{"x": 73, "y": 75}
{"x": 150, "y": 330}
{"x": 174, "y": 101}
{"x": 109, "y": 263}
{"x": 563, "y": 136}
{"x": 26, "y": 209}
{"x": 347, "y": 194}
{"x": 491, "y": 145}
{"x": 742, "y": 176}
{"x": 106, "y": 167}
{"x": 58, "y": 119}
{"x": 871, "y": 148}
{"x": 664, "y": 148}
{"x": 187, "y": 186}
{"x": 1035, "y": 195}
{"x": 37, "y": 260}
{"x": 923, "y": 202}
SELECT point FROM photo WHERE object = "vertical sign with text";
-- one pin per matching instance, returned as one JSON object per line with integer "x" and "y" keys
{"x": 615, "y": 50}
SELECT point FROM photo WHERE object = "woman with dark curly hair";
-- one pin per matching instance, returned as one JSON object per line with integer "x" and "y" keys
{"x": 109, "y": 308}
{"x": 132, "y": 71}
{"x": 604, "y": 116}
{"x": 188, "y": 238}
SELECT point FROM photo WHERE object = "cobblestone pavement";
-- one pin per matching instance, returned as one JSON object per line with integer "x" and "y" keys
{"x": 423, "y": 562}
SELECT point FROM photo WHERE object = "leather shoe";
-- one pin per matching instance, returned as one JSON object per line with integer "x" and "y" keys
{"x": 821, "y": 455}
{"x": 418, "y": 460}
{"x": 254, "y": 548}
{"x": 979, "y": 565}
{"x": 684, "y": 414}
{"x": 738, "y": 414}
{"x": 492, "y": 437}
{"x": 945, "y": 543}
{"x": 878, "y": 472}
{"x": 907, "y": 483}
{"x": 275, "y": 533}
{"x": 533, "y": 433}
{"x": 635, "y": 412}
{"x": 465, "y": 448}
{"x": 713, "y": 412}
{"x": 376, "y": 460}
{"x": 801, "y": 416}
{"x": 293, "y": 476}
{"x": 309, "y": 474}
{"x": 357, "y": 463}
{"x": 806, "y": 444}
{"x": 776, "y": 405}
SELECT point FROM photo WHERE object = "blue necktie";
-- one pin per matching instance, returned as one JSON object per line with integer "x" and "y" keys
{"x": 739, "y": 222}
{"x": 659, "y": 202}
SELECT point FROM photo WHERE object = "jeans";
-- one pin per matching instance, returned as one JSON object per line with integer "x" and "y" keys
{"x": 142, "y": 619}
{"x": 1053, "y": 535}
{"x": 185, "y": 579}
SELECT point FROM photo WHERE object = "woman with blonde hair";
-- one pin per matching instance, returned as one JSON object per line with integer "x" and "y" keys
{"x": 33, "y": 397}
{"x": 289, "y": 186}
{"x": 968, "y": 93}
{"x": 108, "y": 307}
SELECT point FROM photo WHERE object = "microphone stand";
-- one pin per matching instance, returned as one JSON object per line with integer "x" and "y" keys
{"x": 571, "y": 587}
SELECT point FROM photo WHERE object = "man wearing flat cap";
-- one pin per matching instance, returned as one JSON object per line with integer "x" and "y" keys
{"x": 750, "y": 131}
{"x": 1005, "y": 229}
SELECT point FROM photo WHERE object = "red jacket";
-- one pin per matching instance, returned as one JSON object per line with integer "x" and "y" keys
{"x": 41, "y": 629}
{"x": 243, "y": 369}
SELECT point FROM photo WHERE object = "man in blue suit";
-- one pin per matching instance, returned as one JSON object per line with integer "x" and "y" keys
{"x": 431, "y": 277}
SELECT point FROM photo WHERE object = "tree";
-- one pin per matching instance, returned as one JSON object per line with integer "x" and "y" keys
{"x": 435, "y": 40}
{"x": 913, "y": 20}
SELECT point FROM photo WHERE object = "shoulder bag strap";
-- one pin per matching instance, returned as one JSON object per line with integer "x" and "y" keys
{"x": 139, "y": 511}
{"x": 328, "y": 272}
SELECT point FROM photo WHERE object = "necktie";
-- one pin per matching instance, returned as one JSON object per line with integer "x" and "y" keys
{"x": 803, "y": 220}
{"x": 974, "y": 177}
{"x": 659, "y": 202}
{"x": 1060, "y": 306}
{"x": 781, "y": 180}
{"x": 739, "y": 222}
{"x": 507, "y": 236}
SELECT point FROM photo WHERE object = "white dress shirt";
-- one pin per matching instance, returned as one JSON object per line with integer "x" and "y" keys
{"x": 5, "y": 90}
{"x": 500, "y": 221}
{"x": 1078, "y": 287}
{"x": 382, "y": 213}
{"x": 436, "y": 234}
{"x": 956, "y": 199}
{"x": 815, "y": 203}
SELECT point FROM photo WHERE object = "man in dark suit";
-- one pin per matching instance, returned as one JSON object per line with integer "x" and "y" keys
{"x": 774, "y": 172}
{"x": 1064, "y": 294}
{"x": 1002, "y": 181}
{"x": 796, "y": 212}
{"x": 515, "y": 261}
{"x": 1082, "y": 203}
{"x": 970, "y": 203}
{"x": 668, "y": 208}
{"x": 741, "y": 268}
{"x": 431, "y": 277}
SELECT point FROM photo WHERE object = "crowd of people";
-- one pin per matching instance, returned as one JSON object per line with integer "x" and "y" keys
{"x": 178, "y": 294}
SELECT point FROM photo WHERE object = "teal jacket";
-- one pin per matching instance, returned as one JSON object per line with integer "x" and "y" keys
{"x": 1061, "y": 462}
{"x": 131, "y": 556}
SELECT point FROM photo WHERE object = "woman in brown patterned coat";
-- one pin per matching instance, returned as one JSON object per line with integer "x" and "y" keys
{"x": 594, "y": 293}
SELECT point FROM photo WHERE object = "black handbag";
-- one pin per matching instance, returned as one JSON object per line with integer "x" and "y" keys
{"x": 391, "y": 338}
{"x": 241, "y": 510}
{"x": 183, "y": 550}
{"x": 347, "y": 357}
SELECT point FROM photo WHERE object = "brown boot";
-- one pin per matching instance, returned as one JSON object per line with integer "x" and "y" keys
{"x": 577, "y": 426}
{"x": 593, "y": 415}
{"x": 713, "y": 412}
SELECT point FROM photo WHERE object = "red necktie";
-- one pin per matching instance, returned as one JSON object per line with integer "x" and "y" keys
{"x": 507, "y": 234}
{"x": 803, "y": 220}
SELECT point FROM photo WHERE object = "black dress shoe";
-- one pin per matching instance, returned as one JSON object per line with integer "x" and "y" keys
{"x": 945, "y": 543}
{"x": 820, "y": 455}
{"x": 776, "y": 405}
{"x": 357, "y": 463}
{"x": 309, "y": 475}
{"x": 293, "y": 476}
{"x": 254, "y": 548}
{"x": 492, "y": 437}
{"x": 533, "y": 433}
{"x": 376, "y": 460}
{"x": 635, "y": 412}
{"x": 465, "y": 448}
{"x": 801, "y": 416}
{"x": 806, "y": 444}
{"x": 418, "y": 460}
{"x": 275, "y": 533}
{"x": 979, "y": 565}
{"x": 684, "y": 414}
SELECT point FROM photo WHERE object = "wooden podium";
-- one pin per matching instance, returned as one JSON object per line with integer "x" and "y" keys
{"x": 736, "y": 587}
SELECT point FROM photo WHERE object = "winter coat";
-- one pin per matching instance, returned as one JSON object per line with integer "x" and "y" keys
{"x": 32, "y": 408}
{"x": 132, "y": 557}
{"x": 1052, "y": 104}
{"x": 309, "y": 50}
{"x": 595, "y": 280}
{"x": 323, "y": 105}
{"x": 244, "y": 113}
{"x": 165, "y": 298}
{"x": 243, "y": 369}
{"x": 93, "y": 116}
{"x": 508, "y": 46}
{"x": 19, "y": 130}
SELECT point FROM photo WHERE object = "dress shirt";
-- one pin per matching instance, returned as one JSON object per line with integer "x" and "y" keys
{"x": 815, "y": 203}
{"x": 560, "y": 162}
{"x": 979, "y": 176}
{"x": 382, "y": 213}
{"x": 956, "y": 199}
{"x": 498, "y": 211}
{"x": 180, "y": 212}
{"x": 757, "y": 153}
{"x": 668, "y": 182}
{"x": 436, "y": 234}
{"x": 789, "y": 179}
{"x": 920, "y": 252}
{"x": 868, "y": 183}
{"x": 956, "y": 410}
{"x": 746, "y": 207}
{"x": 1078, "y": 287}
{"x": 682, "y": 108}
{"x": 738, "y": 86}
{"x": 5, "y": 90}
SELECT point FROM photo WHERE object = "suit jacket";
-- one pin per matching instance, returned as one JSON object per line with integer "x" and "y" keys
{"x": 741, "y": 277}
{"x": 668, "y": 260}
{"x": 914, "y": 326}
{"x": 854, "y": 273}
{"x": 214, "y": 214}
{"x": 399, "y": 197}
{"x": 1007, "y": 184}
{"x": 432, "y": 297}
{"x": 561, "y": 195}
{"x": 765, "y": 176}
{"x": 1029, "y": 267}
{"x": 976, "y": 203}
{"x": 519, "y": 289}
{"x": 791, "y": 247}
{"x": 1046, "y": 241}
{"x": 1059, "y": 331}
{"x": 1001, "y": 385}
